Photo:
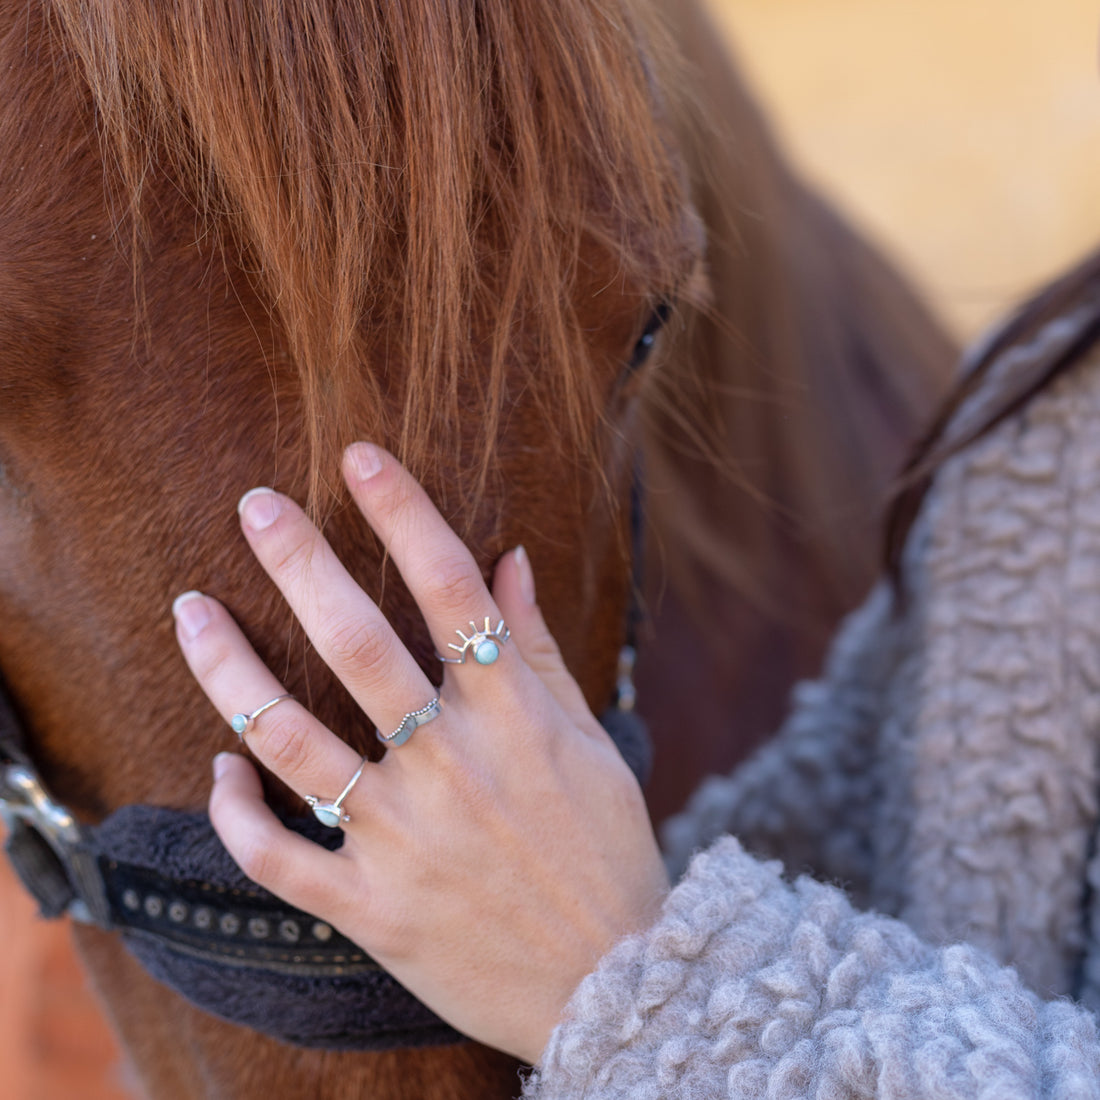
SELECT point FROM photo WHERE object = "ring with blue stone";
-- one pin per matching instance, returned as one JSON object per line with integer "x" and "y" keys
{"x": 484, "y": 644}
{"x": 332, "y": 813}
{"x": 242, "y": 723}
{"x": 409, "y": 723}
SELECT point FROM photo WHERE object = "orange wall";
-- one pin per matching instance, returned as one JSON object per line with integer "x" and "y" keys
{"x": 54, "y": 1044}
{"x": 964, "y": 134}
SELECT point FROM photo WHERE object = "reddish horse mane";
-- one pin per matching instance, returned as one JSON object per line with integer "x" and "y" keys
{"x": 443, "y": 226}
{"x": 496, "y": 141}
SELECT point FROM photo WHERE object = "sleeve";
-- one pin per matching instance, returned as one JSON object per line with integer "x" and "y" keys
{"x": 750, "y": 986}
{"x": 806, "y": 796}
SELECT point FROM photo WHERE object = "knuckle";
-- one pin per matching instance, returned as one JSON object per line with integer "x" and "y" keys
{"x": 543, "y": 651}
{"x": 455, "y": 583}
{"x": 360, "y": 646}
{"x": 288, "y": 552}
{"x": 213, "y": 656}
{"x": 260, "y": 859}
{"x": 396, "y": 496}
{"x": 284, "y": 747}
{"x": 467, "y": 786}
{"x": 446, "y": 754}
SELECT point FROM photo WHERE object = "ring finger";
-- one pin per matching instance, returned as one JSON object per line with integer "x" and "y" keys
{"x": 286, "y": 738}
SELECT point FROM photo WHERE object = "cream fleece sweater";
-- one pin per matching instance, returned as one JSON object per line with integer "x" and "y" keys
{"x": 944, "y": 774}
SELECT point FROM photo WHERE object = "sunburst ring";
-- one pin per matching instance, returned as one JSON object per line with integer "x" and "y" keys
{"x": 483, "y": 643}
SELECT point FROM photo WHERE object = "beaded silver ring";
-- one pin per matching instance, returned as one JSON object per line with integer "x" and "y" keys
{"x": 409, "y": 723}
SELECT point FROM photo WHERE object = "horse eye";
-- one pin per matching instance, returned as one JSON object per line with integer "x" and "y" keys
{"x": 657, "y": 321}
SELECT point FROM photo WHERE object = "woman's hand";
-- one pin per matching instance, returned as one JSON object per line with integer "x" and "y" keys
{"x": 490, "y": 861}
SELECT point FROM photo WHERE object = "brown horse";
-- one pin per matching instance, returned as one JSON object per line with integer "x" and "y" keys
{"x": 236, "y": 236}
{"x": 815, "y": 368}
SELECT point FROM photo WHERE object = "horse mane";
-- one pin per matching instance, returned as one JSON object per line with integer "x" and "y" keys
{"x": 405, "y": 184}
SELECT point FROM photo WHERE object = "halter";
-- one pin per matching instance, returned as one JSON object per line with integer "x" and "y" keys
{"x": 162, "y": 879}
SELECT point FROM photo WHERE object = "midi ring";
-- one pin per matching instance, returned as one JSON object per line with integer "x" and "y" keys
{"x": 332, "y": 813}
{"x": 411, "y": 720}
{"x": 242, "y": 723}
{"x": 484, "y": 644}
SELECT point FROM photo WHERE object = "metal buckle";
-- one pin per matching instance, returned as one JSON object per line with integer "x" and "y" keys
{"x": 24, "y": 804}
{"x": 626, "y": 695}
{"x": 25, "y": 799}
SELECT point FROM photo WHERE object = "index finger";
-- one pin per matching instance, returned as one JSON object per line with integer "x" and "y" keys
{"x": 439, "y": 570}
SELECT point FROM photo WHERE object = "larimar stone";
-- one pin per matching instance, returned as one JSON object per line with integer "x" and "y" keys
{"x": 486, "y": 651}
{"x": 239, "y": 723}
{"x": 328, "y": 814}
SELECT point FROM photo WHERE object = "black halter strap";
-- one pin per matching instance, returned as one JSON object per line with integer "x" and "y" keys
{"x": 163, "y": 880}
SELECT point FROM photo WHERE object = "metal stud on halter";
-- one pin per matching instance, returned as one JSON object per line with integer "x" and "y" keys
{"x": 484, "y": 644}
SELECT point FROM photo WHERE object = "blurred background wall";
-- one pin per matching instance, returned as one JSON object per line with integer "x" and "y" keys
{"x": 963, "y": 134}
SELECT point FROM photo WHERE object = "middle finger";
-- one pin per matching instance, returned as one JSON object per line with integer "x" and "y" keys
{"x": 350, "y": 633}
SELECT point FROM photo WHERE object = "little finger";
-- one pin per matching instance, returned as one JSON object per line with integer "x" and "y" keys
{"x": 290, "y": 866}
{"x": 514, "y": 590}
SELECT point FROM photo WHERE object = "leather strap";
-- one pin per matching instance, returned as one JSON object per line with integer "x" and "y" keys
{"x": 162, "y": 879}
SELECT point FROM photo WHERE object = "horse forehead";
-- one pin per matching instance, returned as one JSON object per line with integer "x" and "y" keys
{"x": 65, "y": 276}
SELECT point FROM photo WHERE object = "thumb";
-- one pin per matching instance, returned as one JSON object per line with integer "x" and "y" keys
{"x": 514, "y": 592}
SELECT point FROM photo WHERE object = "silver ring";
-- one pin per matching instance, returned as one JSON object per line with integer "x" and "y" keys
{"x": 484, "y": 644}
{"x": 411, "y": 720}
{"x": 242, "y": 723}
{"x": 332, "y": 813}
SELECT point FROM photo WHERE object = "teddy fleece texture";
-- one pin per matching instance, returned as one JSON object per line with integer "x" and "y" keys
{"x": 917, "y": 916}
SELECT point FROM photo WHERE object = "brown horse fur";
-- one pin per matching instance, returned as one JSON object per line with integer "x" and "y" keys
{"x": 815, "y": 368}
{"x": 513, "y": 150}
{"x": 236, "y": 236}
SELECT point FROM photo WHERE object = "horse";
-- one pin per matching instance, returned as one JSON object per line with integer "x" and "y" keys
{"x": 546, "y": 253}
{"x": 814, "y": 369}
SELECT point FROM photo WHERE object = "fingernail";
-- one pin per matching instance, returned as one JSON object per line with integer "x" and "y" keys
{"x": 221, "y": 762}
{"x": 260, "y": 508}
{"x": 526, "y": 577}
{"x": 364, "y": 461}
{"x": 192, "y": 613}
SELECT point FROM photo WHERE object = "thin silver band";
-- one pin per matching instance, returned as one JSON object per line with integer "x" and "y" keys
{"x": 332, "y": 813}
{"x": 242, "y": 723}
